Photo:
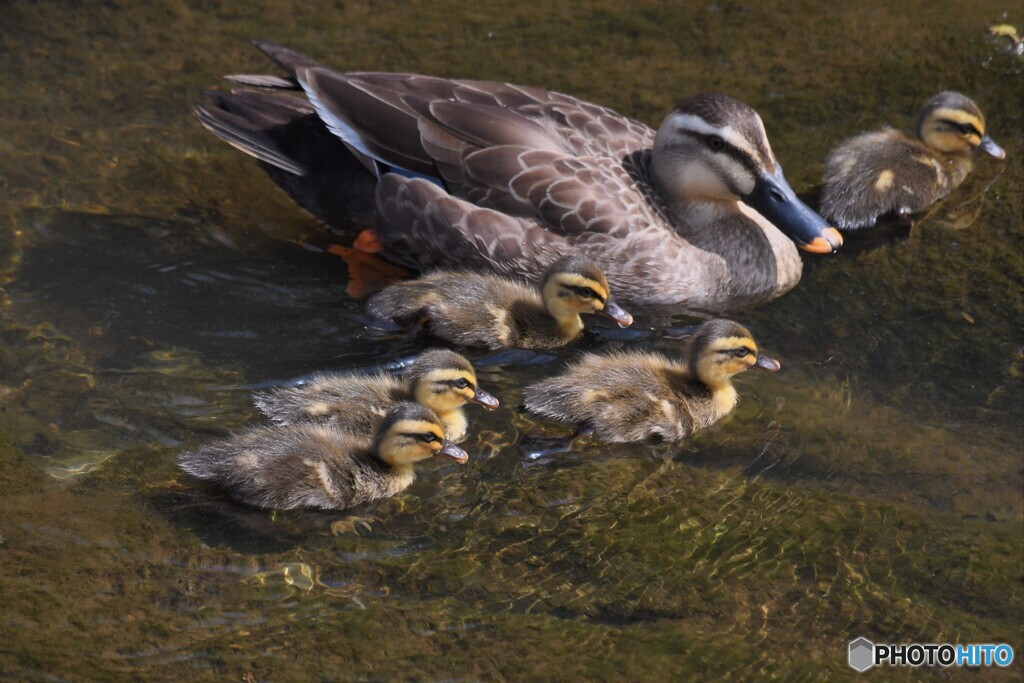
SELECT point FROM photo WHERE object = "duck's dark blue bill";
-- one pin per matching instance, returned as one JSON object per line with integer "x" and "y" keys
{"x": 450, "y": 450}
{"x": 769, "y": 364}
{"x": 484, "y": 399}
{"x": 617, "y": 313}
{"x": 989, "y": 146}
{"x": 774, "y": 199}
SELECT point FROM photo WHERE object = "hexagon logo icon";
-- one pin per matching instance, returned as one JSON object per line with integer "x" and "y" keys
{"x": 862, "y": 654}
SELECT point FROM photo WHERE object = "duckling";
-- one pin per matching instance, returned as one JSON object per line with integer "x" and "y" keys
{"x": 439, "y": 379}
{"x": 496, "y": 312}
{"x": 314, "y": 465}
{"x": 633, "y": 396}
{"x": 887, "y": 171}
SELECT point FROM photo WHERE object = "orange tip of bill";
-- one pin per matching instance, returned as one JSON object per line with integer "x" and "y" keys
{"x": 829, "y": 242}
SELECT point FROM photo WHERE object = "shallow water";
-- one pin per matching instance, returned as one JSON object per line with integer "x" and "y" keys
{"x": 152, "y": 277}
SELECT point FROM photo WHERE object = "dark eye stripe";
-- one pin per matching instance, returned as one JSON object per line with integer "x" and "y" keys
{"x": 585, "y": 292}
{"x": 426, "y": 437}
{"x": 965, "y": 128}
{"x": 738, "y": 154}
{"x": 455, "y": 383}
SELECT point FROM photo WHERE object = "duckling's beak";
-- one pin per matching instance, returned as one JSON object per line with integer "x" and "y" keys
{"x": 989, "y": 146}
{"x": 482, "y": 398}
{"x": 769, "y": 364}
{"x": 774, "y": 199}
{"x": 450, "y": 450}
{"x": 617, "y": 313}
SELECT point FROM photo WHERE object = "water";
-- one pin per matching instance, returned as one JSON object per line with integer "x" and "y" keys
{"x": 152, "y": 278}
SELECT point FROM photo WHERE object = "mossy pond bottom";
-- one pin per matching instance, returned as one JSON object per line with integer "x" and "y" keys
{"x": 151, "y": 278}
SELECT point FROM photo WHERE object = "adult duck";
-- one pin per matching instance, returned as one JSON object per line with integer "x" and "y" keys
{"x": 479, "y": 174}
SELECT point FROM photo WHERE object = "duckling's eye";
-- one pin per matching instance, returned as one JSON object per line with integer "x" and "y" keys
{"x": 964, "y": 128}
{"x": 428, "y": 437}
{"x": 741, "y": 352}
{"x": 460, "y": 383}
{"x": 582, "y": 292}
{"x": 716, "y": 143}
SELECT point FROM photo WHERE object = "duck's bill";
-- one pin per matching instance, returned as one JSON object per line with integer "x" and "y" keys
{"x": 767, "y": 363}
{"x": 450, "y": 450}
{"x": 774, "y": 199}
{"x": 482, "y": 398}
{"x": 989, "y": 146}
{"x": 617, "y": 313}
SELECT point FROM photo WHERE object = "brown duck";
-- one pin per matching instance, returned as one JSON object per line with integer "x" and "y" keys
{"x": 493, "y": 176}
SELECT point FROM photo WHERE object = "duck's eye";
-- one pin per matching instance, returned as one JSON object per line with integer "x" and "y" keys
{"x": 741, "y": 352}
{"x": 716, "y": 143}
{"x": 428, "y": 437}
{"x": 460, "y": 383}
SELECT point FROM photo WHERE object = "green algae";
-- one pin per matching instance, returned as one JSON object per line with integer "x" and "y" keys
{"x": 872, "y": 488}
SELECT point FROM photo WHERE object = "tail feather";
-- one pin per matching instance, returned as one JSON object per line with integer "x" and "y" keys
{"x": 264, "y": 81}
{"x": 297, "y": 150}
{"x": 248, "y": 137}
{"x": 286, "y": 58}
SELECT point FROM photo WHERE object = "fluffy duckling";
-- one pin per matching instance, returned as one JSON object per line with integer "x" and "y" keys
{"x": 314, "y": 465}
{"x": 439, "y": 379}
{"x": 633, "y": 396}
{"x": 888, "y": 171}
{"x": 476, "y": 309}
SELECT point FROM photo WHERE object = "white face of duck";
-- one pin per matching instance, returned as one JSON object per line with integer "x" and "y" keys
{"x": 713, "y": 150}
{"x": 701, "y": 161}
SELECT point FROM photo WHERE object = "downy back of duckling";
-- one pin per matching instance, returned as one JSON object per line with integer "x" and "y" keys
{"x": 313, "y": 465}
{"x": 349, "y": 401}
{"x": 439, "y": 379}
{"x": 631, "y": 396}
{"x": 474, "y": 309}
{"x": 889, "y": 172}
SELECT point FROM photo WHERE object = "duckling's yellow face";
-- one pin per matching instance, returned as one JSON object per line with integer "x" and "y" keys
{"x": 952, "y": 123}
{"x": 575, "y": 294}
{"x": 726, "y": 356}
{"x": 410, "y": 440}
{"x": 952, "y": 130}
{"x": 446, "y": 389}
{"x": 569, "y": 293}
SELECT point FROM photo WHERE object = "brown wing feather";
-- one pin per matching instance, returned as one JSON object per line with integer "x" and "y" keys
{"x": 429, "y": 228}
{"x": 384, "y": 125}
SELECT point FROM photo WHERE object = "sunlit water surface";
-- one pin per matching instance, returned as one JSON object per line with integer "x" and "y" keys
{"x": 152, "y": 277}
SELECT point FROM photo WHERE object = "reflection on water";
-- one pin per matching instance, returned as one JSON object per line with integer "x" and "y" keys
{"x": 152, "y": 278}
